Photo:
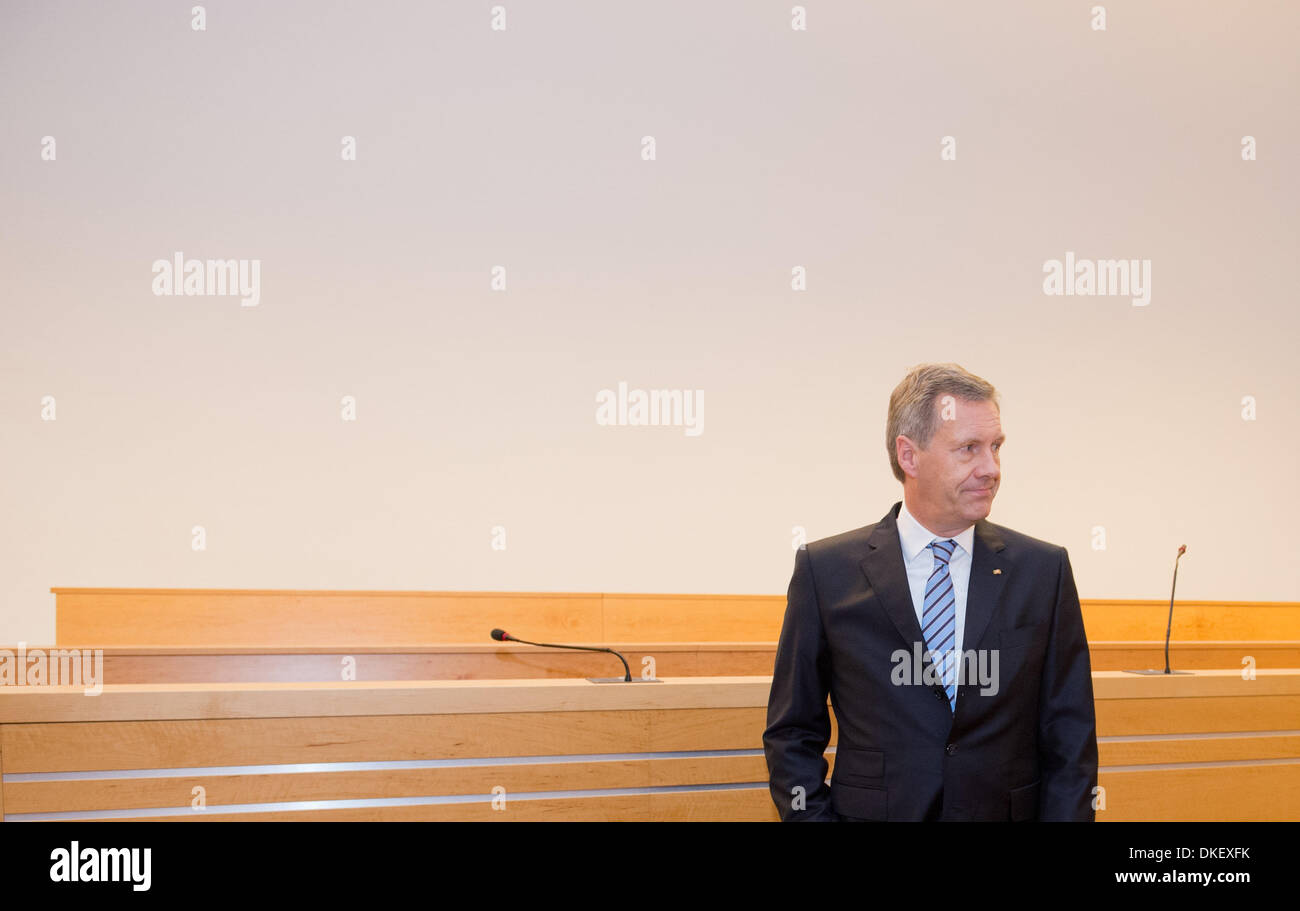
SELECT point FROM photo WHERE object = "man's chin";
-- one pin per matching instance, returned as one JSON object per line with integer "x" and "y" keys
{"x": 980, "y": 510}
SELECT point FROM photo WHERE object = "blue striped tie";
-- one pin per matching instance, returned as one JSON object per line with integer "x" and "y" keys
{"x": 939, "y": 618}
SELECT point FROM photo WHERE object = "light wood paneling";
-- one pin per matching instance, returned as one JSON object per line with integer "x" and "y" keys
{"x": 1127, "y": 620}
{"x": 518, "y": 662}
{"x": 258, "y": 741}
{"x": 450, "y": 662}
{"x": 124, "y": 793}
{"x": 693, "y": 618}
{"x": 143, "y": 617}
{"x": 1210, "y": 682}
{"x": 1237, "y": 793}
{"x": 751, "y": 805}
{"x": 1198, "y": 749}
{"x": 1212, "y": 793}
{"x": 1184, "y": 655}
{"x": 1218, "y": 792}
{"x": 354, "y": 619}
{"x": 138, "y": 728}
{"x": 136, "y": 702}
{"x": 1192, "y": 716}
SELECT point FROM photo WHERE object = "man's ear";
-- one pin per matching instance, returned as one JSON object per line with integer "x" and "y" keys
{"x": 906, "y": 451}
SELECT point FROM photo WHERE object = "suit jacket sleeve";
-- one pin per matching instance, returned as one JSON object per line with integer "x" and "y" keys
{"x": 798, "y": 722}
{"x": 1067, "y": 724}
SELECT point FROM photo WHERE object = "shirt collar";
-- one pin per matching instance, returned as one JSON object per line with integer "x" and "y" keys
{"x": 915, "y": 537}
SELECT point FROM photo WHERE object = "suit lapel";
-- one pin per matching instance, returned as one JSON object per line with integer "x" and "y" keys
{"x": 988, "y": 572}
{"x": 887, "y": 576}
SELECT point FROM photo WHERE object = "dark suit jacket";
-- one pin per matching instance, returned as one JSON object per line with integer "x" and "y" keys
{"x": 1027, "y": 752}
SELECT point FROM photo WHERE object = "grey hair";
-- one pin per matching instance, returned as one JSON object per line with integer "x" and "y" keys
{"x": 911, "y": 405}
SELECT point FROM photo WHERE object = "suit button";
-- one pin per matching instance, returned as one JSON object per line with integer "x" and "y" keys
{"x": 940, "y": 694}
{"x": 950, "y": 749}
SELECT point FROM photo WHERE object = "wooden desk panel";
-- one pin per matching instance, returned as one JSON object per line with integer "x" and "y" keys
{"x": 497, "y": 661}
{"x": 110, "y": 617}
{"x": 1209, "y": 746}
{"x": 493, "y": 661}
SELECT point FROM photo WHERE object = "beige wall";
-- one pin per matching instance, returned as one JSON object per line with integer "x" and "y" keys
{"x": 775, "y": 148}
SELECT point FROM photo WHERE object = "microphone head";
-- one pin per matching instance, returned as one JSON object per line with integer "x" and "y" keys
{"x": 1182, "y": 550}
{"x": 500, "y": 635}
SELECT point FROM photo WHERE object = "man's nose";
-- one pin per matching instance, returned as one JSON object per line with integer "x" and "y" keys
{"x": 989, "y": 467}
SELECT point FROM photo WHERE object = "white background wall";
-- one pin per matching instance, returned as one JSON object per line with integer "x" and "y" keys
{"x": 775, "y": 148}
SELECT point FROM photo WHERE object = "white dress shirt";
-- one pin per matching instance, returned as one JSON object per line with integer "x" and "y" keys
{"x": 919, "y": 559}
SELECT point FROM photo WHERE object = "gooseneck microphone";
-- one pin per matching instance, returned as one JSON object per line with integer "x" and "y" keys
{"x": 1169, "y": 626}
{"x": 501, "y": 635}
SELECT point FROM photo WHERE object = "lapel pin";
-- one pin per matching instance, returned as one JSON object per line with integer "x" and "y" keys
{"x": 997, "y": 572}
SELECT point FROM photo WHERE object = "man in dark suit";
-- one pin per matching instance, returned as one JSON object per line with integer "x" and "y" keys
{"x": 952, "y": 649}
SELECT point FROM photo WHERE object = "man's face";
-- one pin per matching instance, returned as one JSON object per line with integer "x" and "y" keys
{"x": 957, "y": 477}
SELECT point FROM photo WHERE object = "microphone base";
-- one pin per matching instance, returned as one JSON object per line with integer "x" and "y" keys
{"x": 1153, "y": 673}
{"x": 620, "y": 680}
